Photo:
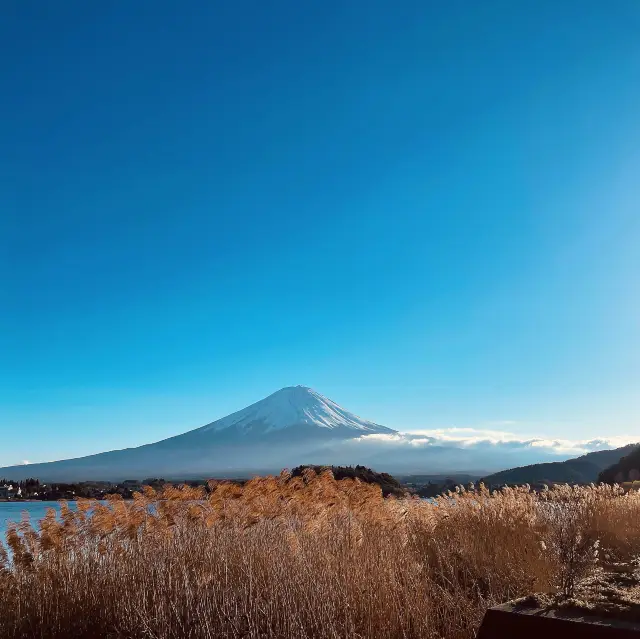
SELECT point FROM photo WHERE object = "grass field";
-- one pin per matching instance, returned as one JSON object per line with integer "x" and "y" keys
{"x": 304, "y": 557}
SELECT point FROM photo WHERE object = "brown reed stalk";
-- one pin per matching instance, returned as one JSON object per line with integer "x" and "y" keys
{"x": 301, "y": 557}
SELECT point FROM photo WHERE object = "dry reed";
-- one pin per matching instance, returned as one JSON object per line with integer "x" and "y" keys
{"x": 303, "y": 557}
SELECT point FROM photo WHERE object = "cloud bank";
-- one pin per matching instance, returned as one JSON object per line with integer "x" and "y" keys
{"x": 470, "y": 438}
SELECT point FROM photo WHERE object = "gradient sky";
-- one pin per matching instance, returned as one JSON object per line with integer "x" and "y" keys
{"x": 427, "y": 211}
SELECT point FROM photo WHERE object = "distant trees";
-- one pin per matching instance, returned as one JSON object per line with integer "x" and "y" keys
{"x": 27, "y": 487}
{"x": 627, "y": 469}
{"x": 436, "y": 488}
{"x": 389, "y": 484}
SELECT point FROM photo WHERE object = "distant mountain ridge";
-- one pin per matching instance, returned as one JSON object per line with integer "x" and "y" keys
{"x": 580, "y": 470}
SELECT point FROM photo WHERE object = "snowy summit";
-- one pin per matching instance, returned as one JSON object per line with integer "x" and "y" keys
{"x": 295, "y": 406}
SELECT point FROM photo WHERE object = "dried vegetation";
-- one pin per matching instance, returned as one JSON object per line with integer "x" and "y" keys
{"x": 304, "y": 557}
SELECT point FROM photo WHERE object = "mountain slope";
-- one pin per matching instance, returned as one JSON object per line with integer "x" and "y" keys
{"x": 277, "y": 431}
{"x": 625, "y": 469}
{"x": 580, "y": 470}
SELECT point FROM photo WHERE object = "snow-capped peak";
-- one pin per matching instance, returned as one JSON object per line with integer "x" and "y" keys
{"x": 295, "y": 406}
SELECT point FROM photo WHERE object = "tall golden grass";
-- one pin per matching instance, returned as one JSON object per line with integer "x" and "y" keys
{"x": 303, "y": 557}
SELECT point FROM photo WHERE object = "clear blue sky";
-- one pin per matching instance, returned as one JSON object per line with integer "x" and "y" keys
{"x": 428, "y": 211}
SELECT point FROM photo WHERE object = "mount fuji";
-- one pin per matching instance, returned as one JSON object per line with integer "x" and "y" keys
{"x": 292, "y": 426}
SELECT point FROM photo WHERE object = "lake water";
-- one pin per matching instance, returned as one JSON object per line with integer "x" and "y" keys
{"x": 12, "y": 511}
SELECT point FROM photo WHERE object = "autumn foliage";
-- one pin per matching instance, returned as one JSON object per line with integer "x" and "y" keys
{"x": 304, "y": 556}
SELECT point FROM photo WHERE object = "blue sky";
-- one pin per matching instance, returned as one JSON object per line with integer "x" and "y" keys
{"x": 427, "y": 211}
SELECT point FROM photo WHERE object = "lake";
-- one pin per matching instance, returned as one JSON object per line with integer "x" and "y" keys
{"x": 12, "y": 511}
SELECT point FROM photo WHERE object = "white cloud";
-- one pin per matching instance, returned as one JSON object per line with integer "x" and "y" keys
{"x": 469, "y": 438}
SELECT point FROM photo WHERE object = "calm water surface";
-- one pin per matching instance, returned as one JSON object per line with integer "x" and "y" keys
{"x": 12, "y": 511}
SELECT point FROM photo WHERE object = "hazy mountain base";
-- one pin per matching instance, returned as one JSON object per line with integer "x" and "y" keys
{"x": 220, "y": 456}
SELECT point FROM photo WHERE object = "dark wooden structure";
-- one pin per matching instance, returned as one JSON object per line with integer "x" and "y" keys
{"x": 515, "y": 621}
